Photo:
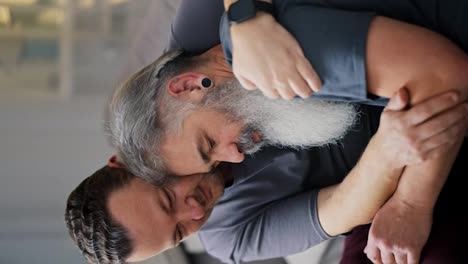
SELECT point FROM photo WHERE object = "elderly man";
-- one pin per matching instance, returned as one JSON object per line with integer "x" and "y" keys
{"x": 188, "y": 87}
{"x": 396, "y": 54}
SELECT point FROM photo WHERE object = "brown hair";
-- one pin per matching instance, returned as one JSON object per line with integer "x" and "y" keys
{"x": 90, "y": 225}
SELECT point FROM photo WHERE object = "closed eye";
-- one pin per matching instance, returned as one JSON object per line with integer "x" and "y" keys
{"x": 170, "y": 202}
{"x": 211, "y": 143}
{"x": 205, "y": 149}
{"x": 179, "y": 234}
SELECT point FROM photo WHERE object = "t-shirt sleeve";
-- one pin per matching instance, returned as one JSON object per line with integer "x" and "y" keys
{"x": 264, "y": 235}
{"x": 195, "y": 26}
{"x": 333, "y": 40}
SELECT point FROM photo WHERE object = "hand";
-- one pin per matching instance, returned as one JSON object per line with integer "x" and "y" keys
{"x": 267, "y": 57}
{"x": 398, "y": 233}
{"x": 423, "y": 131}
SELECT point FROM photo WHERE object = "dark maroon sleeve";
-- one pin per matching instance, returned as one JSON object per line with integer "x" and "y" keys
{"x": 195, "y": 27}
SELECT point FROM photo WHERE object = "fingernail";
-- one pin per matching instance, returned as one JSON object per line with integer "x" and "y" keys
{"x": 315, "y": 86}
{"x": 319, "y": 86}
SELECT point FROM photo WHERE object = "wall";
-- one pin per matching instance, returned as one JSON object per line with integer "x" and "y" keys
{"x": 47, "y": 146}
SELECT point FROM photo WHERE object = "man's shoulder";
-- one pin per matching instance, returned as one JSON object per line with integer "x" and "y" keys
{"x": 195, "y": 27}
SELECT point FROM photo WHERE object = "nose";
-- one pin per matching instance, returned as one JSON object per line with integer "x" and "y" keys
{"x": 192, "y": 210}
{"x": 228, "y": 153}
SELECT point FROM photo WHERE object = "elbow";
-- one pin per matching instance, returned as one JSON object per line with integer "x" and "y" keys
{"x": 454, "y": 75}
{"x": 448, "y": 74}
{"x": 439, "y": 66}
{"x": 450, "y": 70}
{"x": 404, "y": 55}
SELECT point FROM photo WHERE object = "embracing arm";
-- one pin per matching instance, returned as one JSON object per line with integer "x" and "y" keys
{"x": 427, "y": 64}
{"x": 362, "y": 193}
{"x": 357, "y": 199}
{"x": 279, "y": 229}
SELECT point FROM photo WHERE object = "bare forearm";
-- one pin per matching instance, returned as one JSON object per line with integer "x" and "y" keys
{"x": 356, "y": 200}
{"x": 421, "y": 184}
{"x": 426, "y": 63}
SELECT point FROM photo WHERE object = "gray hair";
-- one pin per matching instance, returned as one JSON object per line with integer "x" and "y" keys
{"x": 142, "y": 112}
{"x": 100, "y": 239}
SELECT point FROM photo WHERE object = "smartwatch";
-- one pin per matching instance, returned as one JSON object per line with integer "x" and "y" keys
{"x": 243, "y": 10}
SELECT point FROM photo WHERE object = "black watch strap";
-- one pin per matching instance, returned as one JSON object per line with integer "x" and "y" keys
{"x": 264, "y": 7}
{"x": 243, "y": 10}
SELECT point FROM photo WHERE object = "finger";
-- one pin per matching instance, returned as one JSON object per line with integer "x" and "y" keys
{"x": 271, "y": 93}
{"x": 440, "y": 150}
{"x": 300, "y": 87}
{"x": 286, "y": 92}
{"x": 442, "y": 122}
{"x": 268, "y": 90}
{"x": 431, "y": 107}
{"x": 413, "y": 258}
{"x": 248, "y": 85}
{"x": 399, "y": 100}
{"x": 400, "y": 258}
{"x": 441, "y": 140}
{"x": 309, "y": 74}
{"x": 373, "y": 254}
{"x": 387, "y": 257}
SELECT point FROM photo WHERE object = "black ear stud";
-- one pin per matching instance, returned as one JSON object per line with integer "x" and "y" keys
{"x": 206, "y": 83}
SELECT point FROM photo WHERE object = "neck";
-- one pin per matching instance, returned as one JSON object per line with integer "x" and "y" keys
{"x": 225, "y": 169}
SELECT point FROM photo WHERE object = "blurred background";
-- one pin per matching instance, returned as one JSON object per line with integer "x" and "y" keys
{"x": 60, "y": 60}
{"x": 59, "y": 63}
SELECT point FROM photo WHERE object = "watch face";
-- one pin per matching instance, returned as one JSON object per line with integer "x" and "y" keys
{"x": 241, "y": 11}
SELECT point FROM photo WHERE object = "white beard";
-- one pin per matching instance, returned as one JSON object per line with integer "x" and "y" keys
{"x": 297, "y": 123}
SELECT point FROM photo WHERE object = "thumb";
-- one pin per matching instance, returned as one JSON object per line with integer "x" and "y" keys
{"x": 399, "y": 100}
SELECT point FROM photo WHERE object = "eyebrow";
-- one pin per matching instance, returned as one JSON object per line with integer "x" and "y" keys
{"x": 203, "y": 156}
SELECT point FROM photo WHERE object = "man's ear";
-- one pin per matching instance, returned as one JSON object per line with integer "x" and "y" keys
{"x": 187, "y": 86}
{"x": 114, "y": 162}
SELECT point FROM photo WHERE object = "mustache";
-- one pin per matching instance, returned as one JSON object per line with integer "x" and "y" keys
{"x": 246, "y": 142}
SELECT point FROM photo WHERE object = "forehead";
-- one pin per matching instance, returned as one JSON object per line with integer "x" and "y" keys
{"x": 137, "y": 208}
